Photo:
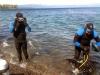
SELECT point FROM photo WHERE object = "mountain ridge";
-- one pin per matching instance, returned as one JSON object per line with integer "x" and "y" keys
{"x": 56, "y": 6}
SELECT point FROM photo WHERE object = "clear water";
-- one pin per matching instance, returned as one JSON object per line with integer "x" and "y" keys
{"x": 53, "y": 28}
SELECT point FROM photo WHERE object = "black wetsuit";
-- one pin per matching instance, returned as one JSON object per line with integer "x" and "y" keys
{"x": 20, "y": 38}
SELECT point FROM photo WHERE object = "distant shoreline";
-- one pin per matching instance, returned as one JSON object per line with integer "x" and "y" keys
{"x": 47, "y": 8}
{"x": 62, "y": 8}
{"x": 7, "y": 6}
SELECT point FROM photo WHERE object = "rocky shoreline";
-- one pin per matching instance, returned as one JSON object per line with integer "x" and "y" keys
{"x": 39, "y": 64}
{"x": 42, "y": 63}
{"x": 39, "y": 67}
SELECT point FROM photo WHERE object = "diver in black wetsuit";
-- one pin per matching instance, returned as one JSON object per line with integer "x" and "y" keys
{"x": 19, "y": 34}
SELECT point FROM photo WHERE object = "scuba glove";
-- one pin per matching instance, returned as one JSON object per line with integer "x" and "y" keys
{"x": 29, "y": 29}
{"x": 77, "y": 44}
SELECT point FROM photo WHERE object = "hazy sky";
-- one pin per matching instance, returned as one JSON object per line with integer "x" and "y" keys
{"x": 51, "y": 2}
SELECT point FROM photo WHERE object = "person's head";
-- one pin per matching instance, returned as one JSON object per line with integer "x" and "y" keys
{"x": 19, "y": 14}
{"x": 19, "y": 17}
{"x": 89, "y": 26}
{"x": 89, "y": 29}
{"x": 20, "y": 20}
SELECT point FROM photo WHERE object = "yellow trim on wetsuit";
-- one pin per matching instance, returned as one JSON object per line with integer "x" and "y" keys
{"x": 87, "y": 56}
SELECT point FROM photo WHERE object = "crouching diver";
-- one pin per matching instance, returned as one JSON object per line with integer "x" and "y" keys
{"x": 18, "y": 29}
{"x": 82, "y": 41}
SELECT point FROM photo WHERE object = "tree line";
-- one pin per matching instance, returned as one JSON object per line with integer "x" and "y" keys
{"x": 7, "y": 6}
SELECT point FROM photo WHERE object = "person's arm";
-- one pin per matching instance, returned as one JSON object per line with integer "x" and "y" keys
{"x": 97, "y": 39}
{"x": 29, "y": 28}
{"x": 12, "y": 26}
{"x": 77, "y": 36}
{"x": 76, "y": 40}
{"x": 25, "y": 21}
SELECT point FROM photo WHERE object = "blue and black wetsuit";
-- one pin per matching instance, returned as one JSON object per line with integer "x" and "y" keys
{"x": 80, "y": 39}
{"x": 19, "y": 33}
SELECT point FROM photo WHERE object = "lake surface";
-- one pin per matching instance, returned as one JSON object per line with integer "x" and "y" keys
{"x": 52, "y": 29}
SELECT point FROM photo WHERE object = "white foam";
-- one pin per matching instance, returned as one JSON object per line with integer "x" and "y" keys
{"x": 23, "y": 65}
{"x": 37, "y": 53}
{"x": 30, "y": 43}
{"x": 5, "y": 44}
{"x": 76, "y": 71}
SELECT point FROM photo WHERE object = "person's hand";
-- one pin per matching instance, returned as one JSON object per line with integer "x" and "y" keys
{"x": 85, "y": 48}
{"x": 95, "y": 47}
{"x": 82, "y": 47}
{"x": 77, "y": 44}
{"x": 98, "y": 46}
{"x": 29, "y": 29}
